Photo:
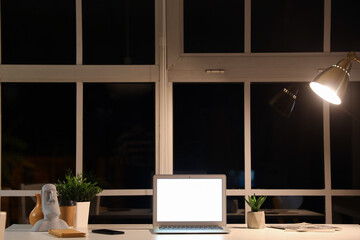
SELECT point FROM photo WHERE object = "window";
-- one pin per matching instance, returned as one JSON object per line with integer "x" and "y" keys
{"x": 235, "y": 209}
{"x": 38, "y": 32}
{"x": 281, "y": 26}
{"x": 121, "y": 210}
{"x": 17, "y": 209}
{"x": 344, "y": 25}
{"x": 286, "y": 152}
{"x": 213, "y": 26}
{"x": 345, "y": 140}
{"x": 119, "y": 134}
{"x": 209, "y": 130}
{"x": 345, "y": 209}
{"x": 119, "y": 32}
{"x": 135, "y": 105}
{"x": 38, "y": 133}
{"x": 294, "y": 209}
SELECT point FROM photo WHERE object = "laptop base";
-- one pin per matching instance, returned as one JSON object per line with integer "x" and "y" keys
{"x": 160, "y": 230}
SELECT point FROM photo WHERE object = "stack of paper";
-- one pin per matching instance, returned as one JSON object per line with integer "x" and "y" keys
{"x": 306, "y": 227}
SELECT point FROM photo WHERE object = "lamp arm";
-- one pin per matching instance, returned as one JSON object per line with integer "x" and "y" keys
{"x": 353, "y": 56}
{"x": 356, "y": 59}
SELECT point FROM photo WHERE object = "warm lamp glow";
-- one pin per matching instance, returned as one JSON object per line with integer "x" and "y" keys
{"x": 325, "y": 92}
{"x": 331, "y": 84}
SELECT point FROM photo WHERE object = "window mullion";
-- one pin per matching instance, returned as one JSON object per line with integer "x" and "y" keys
{"x": 165, "y": 163}
{"x": 0, "y": 133}
{"x": 327, "y": 25}
{"x": 247, "y": 27}
{"x": 0, "y": 43}
{"x": 166, "y": 133}
{"x": 79, "y": 43}
{"x": 79, "y": 127}
{"x": 327, "y": 162}
{"x": 247, "y": 141}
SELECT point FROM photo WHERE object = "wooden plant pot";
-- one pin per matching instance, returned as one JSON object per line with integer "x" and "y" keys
{"x": 67, "y": 211}
{"x": 256, "y": 220}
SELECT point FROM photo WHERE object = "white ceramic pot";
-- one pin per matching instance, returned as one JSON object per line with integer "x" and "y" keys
{"x": 82, "y": 214}
{"x": 256, "y": 219}
{"x": 2, "y": 224}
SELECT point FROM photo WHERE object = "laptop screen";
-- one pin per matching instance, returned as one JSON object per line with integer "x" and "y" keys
{"x": 189, "y": 199}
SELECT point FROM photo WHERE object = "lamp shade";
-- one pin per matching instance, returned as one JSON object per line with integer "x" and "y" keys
{"x": 331, "y": 84}
{"x": 284, "y": 101}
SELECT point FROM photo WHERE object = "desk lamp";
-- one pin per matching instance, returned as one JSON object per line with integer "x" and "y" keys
{"x": 332, "y": 82}
{"x": 284, "y": 101}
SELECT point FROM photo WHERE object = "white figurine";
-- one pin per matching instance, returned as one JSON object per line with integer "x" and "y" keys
{"x": 51, "y": 210}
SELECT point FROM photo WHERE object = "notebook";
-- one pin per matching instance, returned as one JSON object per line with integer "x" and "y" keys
{"x": 189, "y": 204}
{"x": 66, "y": 233}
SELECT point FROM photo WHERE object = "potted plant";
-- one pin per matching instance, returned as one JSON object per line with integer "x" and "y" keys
{"x": 255, "y": 218}
{"x": 76, "y": 189}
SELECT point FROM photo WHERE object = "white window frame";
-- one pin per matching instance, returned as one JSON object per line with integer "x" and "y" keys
{"x": 249, "y": 68}
{"x": 172, "y": 65}
{"x": 80, "y": 74}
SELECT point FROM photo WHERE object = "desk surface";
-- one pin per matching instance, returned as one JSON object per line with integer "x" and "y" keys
{"x": 238, "y": 232}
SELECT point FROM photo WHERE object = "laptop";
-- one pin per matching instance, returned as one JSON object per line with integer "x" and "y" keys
{"x": 189, "y": 204}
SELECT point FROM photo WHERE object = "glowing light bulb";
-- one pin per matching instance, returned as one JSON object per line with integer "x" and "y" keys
{"x": 325, "y": 92}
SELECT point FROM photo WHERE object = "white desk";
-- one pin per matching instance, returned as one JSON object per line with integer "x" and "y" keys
{"x": 238, "y": 232}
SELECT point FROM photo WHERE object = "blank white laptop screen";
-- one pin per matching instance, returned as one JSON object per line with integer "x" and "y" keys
{"x": 189, "y": 200}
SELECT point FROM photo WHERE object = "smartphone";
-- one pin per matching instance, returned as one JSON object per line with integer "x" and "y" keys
{"x": 107, "y": 231}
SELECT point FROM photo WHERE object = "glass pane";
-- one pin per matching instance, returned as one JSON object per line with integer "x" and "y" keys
{"x": 286, "y": 152}
{"x": 17, "y": 209}
{"x": 294, "y": 209}
{"x": 287, "y": 26}
{"x": 110, "y": 210}
{"x": 235, "y": 209}
{"x": 281, "y": 209}
{"x": 345, "y": 140}
{"x": 346, "y": 210}
{"x": 345, "y": 23}
{"x": 119, "y": 133}
{"x": 209, "y": 130}
{"x": 38, "y": 32}
{"x": 213, "y": 26}
{"x": 38, "y": 133}
{"x": 120, "y": 210}
{"x": 119, "y": 32}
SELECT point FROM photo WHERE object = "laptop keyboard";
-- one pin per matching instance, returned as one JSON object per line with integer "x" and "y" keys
{"x": 191, "y": 228}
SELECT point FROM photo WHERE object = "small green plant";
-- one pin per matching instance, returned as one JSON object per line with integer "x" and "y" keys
{"x": 76, "y": 188}
{"x": 255, "y": 203}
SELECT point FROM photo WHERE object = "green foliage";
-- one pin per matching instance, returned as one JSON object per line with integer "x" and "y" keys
{"x": 76, "y": 188}
{"x": 255, "y": 203}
